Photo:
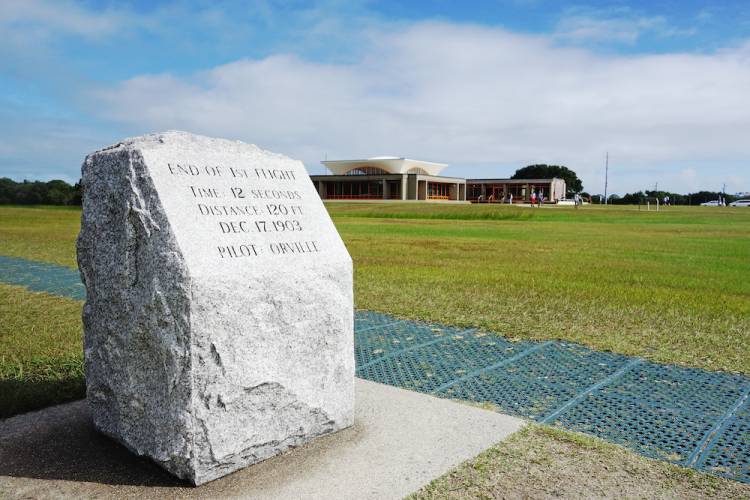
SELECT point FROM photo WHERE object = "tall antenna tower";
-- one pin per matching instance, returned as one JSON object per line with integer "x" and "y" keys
{"x": 606, "y": 177}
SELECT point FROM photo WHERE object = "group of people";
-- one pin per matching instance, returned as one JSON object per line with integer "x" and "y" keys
{"x": 491, "y": 198}
{"x": 536, "y": 200}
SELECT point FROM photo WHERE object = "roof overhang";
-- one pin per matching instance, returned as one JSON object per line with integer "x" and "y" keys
{"x": 512, "y": 181}
{"x": 392, "y": 165}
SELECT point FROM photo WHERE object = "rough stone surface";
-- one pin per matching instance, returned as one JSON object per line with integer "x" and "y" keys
{"x": 218, "y": 324}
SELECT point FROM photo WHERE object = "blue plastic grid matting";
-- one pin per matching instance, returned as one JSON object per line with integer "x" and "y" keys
{"x": 42, "y": 277}
{"x": 691, "y": 417}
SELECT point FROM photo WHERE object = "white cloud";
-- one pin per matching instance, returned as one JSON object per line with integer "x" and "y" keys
{"x": 584, "y": 29}
{"x": 38, "y": 19}
{"x": 618, "y": 25}
{"x": 468, "y": 96}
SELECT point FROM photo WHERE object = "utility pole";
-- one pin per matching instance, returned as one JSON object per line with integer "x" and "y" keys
{"x": 606, "y": 177}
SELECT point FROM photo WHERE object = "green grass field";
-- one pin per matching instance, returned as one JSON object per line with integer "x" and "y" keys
{"x": 47, "y": 234}
{"x": 672, "y": 286}
{"x": 41, "y": 351}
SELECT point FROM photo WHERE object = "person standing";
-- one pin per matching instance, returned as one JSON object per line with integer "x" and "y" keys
{"x": 533, "y": 199}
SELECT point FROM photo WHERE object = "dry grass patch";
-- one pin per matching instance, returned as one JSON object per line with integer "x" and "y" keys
{"x": 542, "y": 462}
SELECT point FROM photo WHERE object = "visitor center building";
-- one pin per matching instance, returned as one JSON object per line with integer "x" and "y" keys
{"x": 394, "y": 178}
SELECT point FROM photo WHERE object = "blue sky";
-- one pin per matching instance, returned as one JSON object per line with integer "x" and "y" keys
{"x": 487, "y": 87}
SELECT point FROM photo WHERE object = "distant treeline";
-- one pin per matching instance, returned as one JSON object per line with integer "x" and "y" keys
{"x": 39, "y": 193}
{"x": 59, "y": 192}
{"x": 641, "y": 197}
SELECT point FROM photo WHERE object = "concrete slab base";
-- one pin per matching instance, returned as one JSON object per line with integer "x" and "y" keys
{"x": 401, "y": 440}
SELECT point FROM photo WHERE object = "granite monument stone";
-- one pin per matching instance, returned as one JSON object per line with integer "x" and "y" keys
{"x": 218, "y": 324}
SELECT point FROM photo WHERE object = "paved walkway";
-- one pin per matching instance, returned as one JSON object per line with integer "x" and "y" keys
{"x": 56, "y": 453}
{"x": 691, "y": 417}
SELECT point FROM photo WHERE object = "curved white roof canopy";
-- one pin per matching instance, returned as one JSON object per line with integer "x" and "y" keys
{"x": 388, "y": 164}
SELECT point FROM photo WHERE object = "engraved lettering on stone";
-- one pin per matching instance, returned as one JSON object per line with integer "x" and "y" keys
{"x": 218, "y": 324}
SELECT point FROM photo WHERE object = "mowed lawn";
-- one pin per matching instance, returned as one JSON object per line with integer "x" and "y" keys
{"x": 41, "y": 349}
{"x": 673, "y": 287}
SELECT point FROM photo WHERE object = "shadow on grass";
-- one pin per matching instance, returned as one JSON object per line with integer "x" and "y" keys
{"x": 61, "y": 443}
{"x": 21, "y": 395}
